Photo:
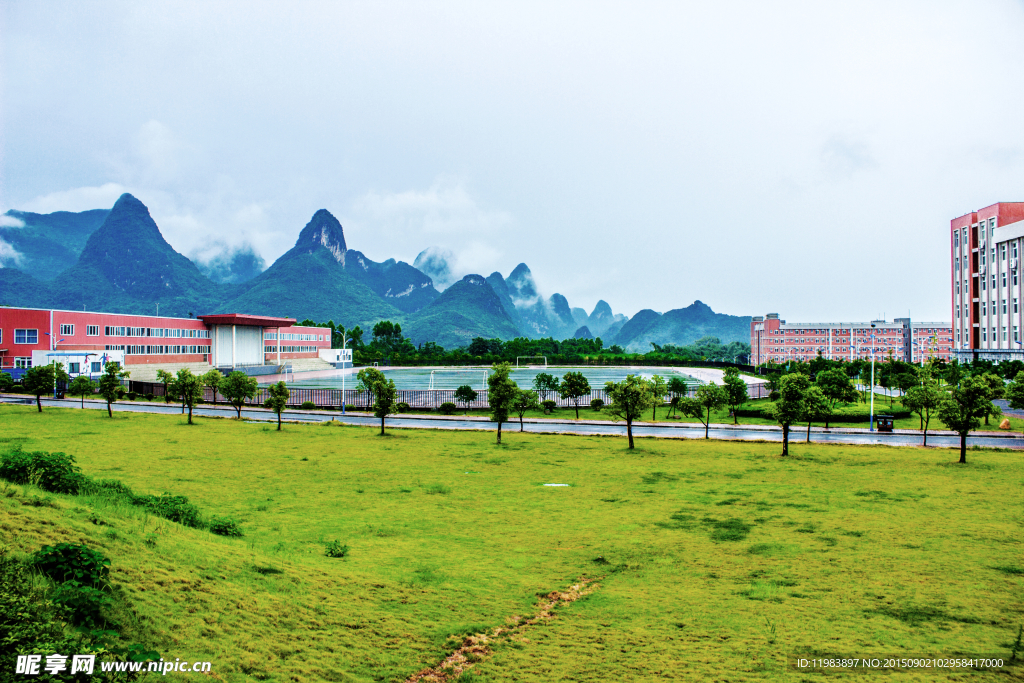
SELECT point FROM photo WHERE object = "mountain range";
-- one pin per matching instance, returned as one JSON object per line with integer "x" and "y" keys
{"x": 118, "y": 261}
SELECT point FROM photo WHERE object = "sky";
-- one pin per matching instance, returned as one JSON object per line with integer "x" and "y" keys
{"x": 803, "y": 158}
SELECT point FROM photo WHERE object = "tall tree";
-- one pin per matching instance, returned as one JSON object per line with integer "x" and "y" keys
{"x": 574, "y": 386}
{"x": 924, "y": 400}
{"x": 545, "y": 384}
{"x": 1014, "y": 392}
{"x": 996, "y": 389}
{"x": 837, "y": 389}
{"x": 165, "y": 378}
{"x": 39, "y": 380}
{"x": 963, "y": 407}
{"x": 189, "y": 387}
{"x": 212, "y": 379}
{"x": 110, "y": 383}
{"x": 658, "y": 390}
{"x": 465, "y": 395}
{"x": 789, "y": 407}
{"x": 82, "y": 386}
{"x": 501, "y": 393}
{"x": 385, "y": 395}
{"x": 238, "y": 388}
{"x": 735, "y": 391}
{"x": 629, "y": 398}
{"x": 6, "y": 381}
{"x": 277, "y": 399}
{"x": 816, "y": 407}
{"x": 707, "y": 398}
{"x": 525, "y": 400}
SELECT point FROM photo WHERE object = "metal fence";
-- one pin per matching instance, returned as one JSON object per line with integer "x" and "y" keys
{"x": 423, "y": 399}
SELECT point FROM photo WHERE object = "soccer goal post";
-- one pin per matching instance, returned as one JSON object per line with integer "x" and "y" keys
{"x": 472, "y": 371}
{"x": 528, "y": 364}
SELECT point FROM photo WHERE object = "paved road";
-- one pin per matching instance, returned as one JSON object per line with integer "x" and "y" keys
{"x": 684, "y": 430}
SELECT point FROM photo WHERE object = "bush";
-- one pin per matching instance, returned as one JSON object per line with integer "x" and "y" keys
{"x": 17, "y": 389}
{"x": 132, "y": 395}
{"x": 335, "y": 549}
{"x": 149, "y": 397}
{"x": 402, "y": 407}
{"x": 85, "y": 605}
{"x": 174, "y": 508}
{"x": 29, "y": 621}
{"x": 54, "y": 472}
{"x": 447, "y": 408}
{"x": 73, "y": 562}
{"x": 597, "y": 404}
{"x": 308, "y": 405}
{"x": 225, "y": 526}
{"x": 549, "y": 405}
{"x": 120, "y": 394}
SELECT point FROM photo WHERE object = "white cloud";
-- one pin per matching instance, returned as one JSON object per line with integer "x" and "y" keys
{"x": 76, "y": 199}
{"x": 10, "y": 222}
{"x": 9, "y": 256}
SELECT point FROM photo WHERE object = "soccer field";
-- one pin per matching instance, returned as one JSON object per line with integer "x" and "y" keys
{"x": 696, "y": 560}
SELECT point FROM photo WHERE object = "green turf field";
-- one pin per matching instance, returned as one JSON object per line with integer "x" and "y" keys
{"x": 708, "y": 560}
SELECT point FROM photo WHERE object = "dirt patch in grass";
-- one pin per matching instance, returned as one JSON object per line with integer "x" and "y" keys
{"x": 476, "y": 646}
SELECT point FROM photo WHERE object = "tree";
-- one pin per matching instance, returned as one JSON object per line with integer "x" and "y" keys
{"x": 629, "y": 398}
{"x": 707, "y": 398}
{"x": 735, "y": 391}
{"x": 658, "y": 390}
{"x": 816, "y": 407}
{"x": 465, "y": 395}
{"x": 837, "y": 389}
{"x": 110, "y": 383}
{"x": 525, "y": 400}
{"x": 545, "y": 384}
{"x": 39, "y": 380}
{"x": 1014, "y": 392}
{"x": 996, "y": 389}
{"x": 165, "y": 378}
{"x": 385, "y": 395}
{"x": 189, "y": 387}
{"x": 905, "y": 380}
{"x": 963, "y": 407}
{"x": 924, "y": 400}
{"x": 277, "y": 399}
{"x": 501, "y": 393}
{"x": 789, "y": 407}
{"x": 82, "y": 386}
{"x": 574, "y": 386}
{"x": 237, "y": 388}
{"x": 212, "y": 379}
{"x": 6, "y": 381}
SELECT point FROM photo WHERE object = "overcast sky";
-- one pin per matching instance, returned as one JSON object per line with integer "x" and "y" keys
{"x": 803, "y": 158}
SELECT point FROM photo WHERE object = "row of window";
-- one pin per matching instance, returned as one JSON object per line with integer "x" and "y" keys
{"x": 291, "y": 349}
{"x": 167, "y": 332}
{"x": 293, "y": 336}
{"x": 160, "y": 350}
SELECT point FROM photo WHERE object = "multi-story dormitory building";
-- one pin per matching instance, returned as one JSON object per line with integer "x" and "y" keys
{"x": 985, "y": 248}
{"x": 85, "y": 341}
{"x": 772, "y": 339}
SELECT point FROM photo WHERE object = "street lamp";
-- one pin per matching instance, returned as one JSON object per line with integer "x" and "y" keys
{"x": 344, "y": 341}
{"x": 872, "y": 415}
{"x": 53, "y": 347}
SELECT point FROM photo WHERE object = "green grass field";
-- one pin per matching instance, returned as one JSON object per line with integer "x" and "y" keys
{"x": 711, "y": 560}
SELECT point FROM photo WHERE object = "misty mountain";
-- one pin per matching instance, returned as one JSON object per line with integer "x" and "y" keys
{"x": 401, "y": 285}
{"x": 680, "y": 326}
{"x": 45, "y": 245}
{"x": 234, "y": 266}
{"x": 435, "y": 263}
{"x": 469, "y": 308}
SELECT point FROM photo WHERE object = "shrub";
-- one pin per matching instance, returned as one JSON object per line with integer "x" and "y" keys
{"x": 447, "y": 408}
{"x": 17, "y": 389}
{"x": 85, "y": 605}
{"x": 175, "y": 508}
{"x": 335, "y": 549}
{"x": 54, "y": 472}
{"x": 597, "y": 404}
{"x": 120, "y": 394}
{"x": 549, "y": 405}
{"x": 110, "y": 488}
{"x": 402, "y": 407}
{"x": 149, "y": 397}
{"x": 225, "y": 526}
{"x": 308, "y": 405}
{"x": 30, "y": 622}
{"x": 132, "y": 395}
{"x": 73, "y": 562}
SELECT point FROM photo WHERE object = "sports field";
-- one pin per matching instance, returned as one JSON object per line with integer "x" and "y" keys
{"x": 696, "y": 560}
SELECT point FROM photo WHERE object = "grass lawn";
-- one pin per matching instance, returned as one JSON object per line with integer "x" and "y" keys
{"x": 712, "y": 560}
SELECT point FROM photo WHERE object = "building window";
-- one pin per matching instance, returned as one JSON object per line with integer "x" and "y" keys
{"x": 1014, "y": 304}
{"x": 1004, "y": 279}
{"x": 1016, "y": 337}
{"x": 993, "y": 280}
{"x": 73, "y": 368}
{"x": 1003, "y": 252}
{"x": 67, "y": 330}
{"x": 92, "y": 330}
{"x": 984, "y": 336}
{"x": 982, "y": 258}
{"x": 956, "y": 238}
{"x": 1014, "y": 278}
{"x": 21, "y": 362}
{"x": 1004, "y": 333}
{"x": 96, "y": 367}
{"x": 993, "y": 255}
{"x": 983, "y": 284}
{"x": 1014, "y": 247}
{"x": 983, "y": 308}
{"x": 26, "y": 337}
